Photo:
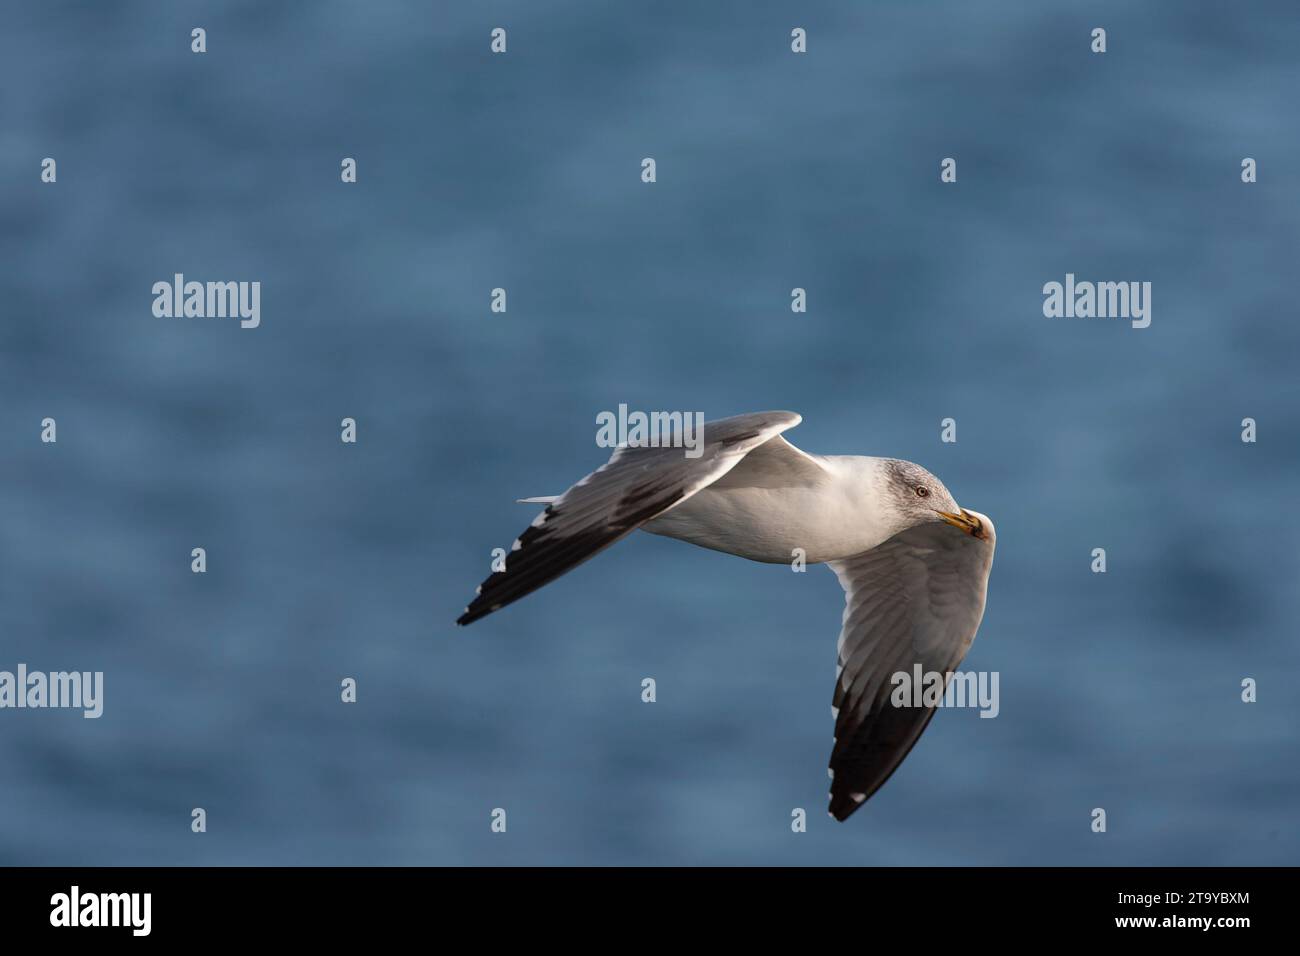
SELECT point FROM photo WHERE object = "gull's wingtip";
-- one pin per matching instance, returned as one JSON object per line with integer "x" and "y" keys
{"x": 843, "y": 805}
{"x": 473, "y": 613}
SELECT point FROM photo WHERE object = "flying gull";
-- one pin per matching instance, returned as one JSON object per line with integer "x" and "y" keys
{"x": 913, "y": 564}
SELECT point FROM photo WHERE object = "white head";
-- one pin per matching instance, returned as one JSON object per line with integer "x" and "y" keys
{"x": 919, "y": 497}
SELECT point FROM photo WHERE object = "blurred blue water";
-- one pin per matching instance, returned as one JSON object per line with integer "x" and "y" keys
{"x": 1118, "y": 690}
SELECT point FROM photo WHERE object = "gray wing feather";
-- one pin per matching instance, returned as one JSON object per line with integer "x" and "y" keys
{"x": 916, "y": 599}
{"x": 634, "y": 486}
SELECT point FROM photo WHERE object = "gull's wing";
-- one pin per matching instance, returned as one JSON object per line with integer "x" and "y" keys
{"x": 634, "y": 486}
{"x": 916, "y": 599}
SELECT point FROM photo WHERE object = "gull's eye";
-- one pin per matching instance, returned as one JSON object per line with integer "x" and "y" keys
{"x": 922, "y": 491}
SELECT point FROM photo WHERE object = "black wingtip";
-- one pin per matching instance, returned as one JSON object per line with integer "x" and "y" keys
{"x": 475, "y": 611}
{"x": 843, "y": 806}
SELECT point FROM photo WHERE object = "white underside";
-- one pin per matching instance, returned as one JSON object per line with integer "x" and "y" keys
{"x": 773, "y": 503}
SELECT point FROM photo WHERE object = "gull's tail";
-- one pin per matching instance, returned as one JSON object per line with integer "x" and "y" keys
{"x": 541, "y": 500}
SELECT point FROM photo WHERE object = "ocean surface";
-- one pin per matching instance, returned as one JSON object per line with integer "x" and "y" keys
{"x": 522, "y": 171}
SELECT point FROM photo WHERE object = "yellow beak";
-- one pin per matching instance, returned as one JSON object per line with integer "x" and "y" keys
{"x": 965, "y": 521}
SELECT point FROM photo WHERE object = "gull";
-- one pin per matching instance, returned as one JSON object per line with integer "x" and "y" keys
{"x": 913, "y": 564}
